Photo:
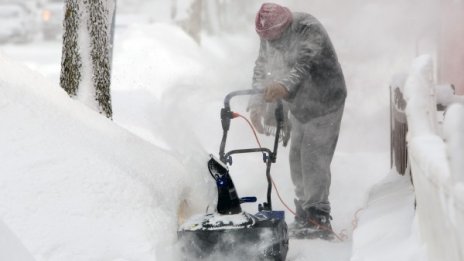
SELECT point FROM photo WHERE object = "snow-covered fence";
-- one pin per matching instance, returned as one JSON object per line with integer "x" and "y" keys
{"x": 436, "y": 161}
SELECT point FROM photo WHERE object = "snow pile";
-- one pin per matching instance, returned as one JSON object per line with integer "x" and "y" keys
{"x": 387, "y": 224}
{"x": 10, "y": 246}
{"x": 440, "y": 206}
{"x": 454, "y": 138}
{"x": 74, "y": 185}
{"x": 445, "y": 95}
{"x": 453, "y": 133}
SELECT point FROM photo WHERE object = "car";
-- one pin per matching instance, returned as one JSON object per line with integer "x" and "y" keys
{"x": 18, "y": 22}
{"x": 52, "y": 18}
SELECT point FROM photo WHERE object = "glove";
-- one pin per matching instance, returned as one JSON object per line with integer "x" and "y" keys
{"x": 275, "y": 91}
{"x": 256, "y": 116}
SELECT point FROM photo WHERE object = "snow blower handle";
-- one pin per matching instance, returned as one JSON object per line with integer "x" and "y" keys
{"x": 227, "y": 115}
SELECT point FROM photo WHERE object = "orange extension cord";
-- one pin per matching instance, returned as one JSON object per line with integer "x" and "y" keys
{"x": 342, "y": 236}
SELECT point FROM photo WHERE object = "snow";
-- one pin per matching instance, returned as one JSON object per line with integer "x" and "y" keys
{"x": 440, "y": 208}
{"x": 196, "y": 101}
{"x": 453, "y": 129}
{"x": 11, "y": 246}
{"x": 77, "y": 186}
{"x": 387, "y": 224}
{"x": 445, "y": 94}
{"x": 235, "y": 221}
{"x": 95, "y": 176}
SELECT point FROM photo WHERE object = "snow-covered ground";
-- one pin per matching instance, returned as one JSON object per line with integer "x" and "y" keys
{"x": 11, "y": 246}
{"x": 387, "y": 229}
{"x": 76, "y": 186}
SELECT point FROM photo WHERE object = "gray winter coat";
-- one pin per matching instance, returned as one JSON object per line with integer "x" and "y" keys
{"x": 304, "y": 61}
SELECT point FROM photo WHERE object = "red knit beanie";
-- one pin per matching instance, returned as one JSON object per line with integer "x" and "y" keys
{"x": 272, "y": 20}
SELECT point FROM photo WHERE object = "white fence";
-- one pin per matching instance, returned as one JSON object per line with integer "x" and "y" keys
{"x": 436, "y": 156}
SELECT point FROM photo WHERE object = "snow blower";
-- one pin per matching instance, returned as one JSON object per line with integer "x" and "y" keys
{"x": 229, "y": 231}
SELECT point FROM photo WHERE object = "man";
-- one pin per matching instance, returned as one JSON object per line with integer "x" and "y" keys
{"x": 297, "y": 63}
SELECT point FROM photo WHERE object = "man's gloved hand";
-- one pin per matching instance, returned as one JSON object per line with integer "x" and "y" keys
{"x": 275, "y": 91}
{"x": 256, "y": 116}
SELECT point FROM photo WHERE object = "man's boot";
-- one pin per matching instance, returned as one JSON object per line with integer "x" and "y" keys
{"x": 320, "y": 222}
{"x": 311, "y": 224}
{"x": 300, "y": 224}
{"x": 301, "y": 227}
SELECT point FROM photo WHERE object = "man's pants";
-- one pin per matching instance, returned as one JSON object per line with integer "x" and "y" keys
{"x": 311, "y": 152}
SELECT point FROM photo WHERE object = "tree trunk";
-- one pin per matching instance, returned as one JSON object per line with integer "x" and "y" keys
{"x": 99, "y": 30}
{"x": 86, "y": 63}
{"x": 71, "y": 60}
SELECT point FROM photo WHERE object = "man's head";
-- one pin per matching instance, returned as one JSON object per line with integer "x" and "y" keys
{"x": 272, "y": 20}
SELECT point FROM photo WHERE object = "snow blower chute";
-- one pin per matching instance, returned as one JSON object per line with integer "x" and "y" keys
{"x": 229, "y": 231}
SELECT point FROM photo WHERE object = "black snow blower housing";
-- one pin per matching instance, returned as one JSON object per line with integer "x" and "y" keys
{"x": 230, "y": 233}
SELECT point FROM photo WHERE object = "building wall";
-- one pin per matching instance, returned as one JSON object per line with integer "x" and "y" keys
{"x": 451, "y": 50}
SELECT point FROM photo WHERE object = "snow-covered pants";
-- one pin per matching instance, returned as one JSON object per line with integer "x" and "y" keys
{"x": 311, "y": 152}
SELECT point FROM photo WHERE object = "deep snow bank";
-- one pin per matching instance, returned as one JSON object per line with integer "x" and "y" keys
{"x": 387, "y": 229}
{"x": 10, "y": 246}
{"x": 74, "y": 185}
